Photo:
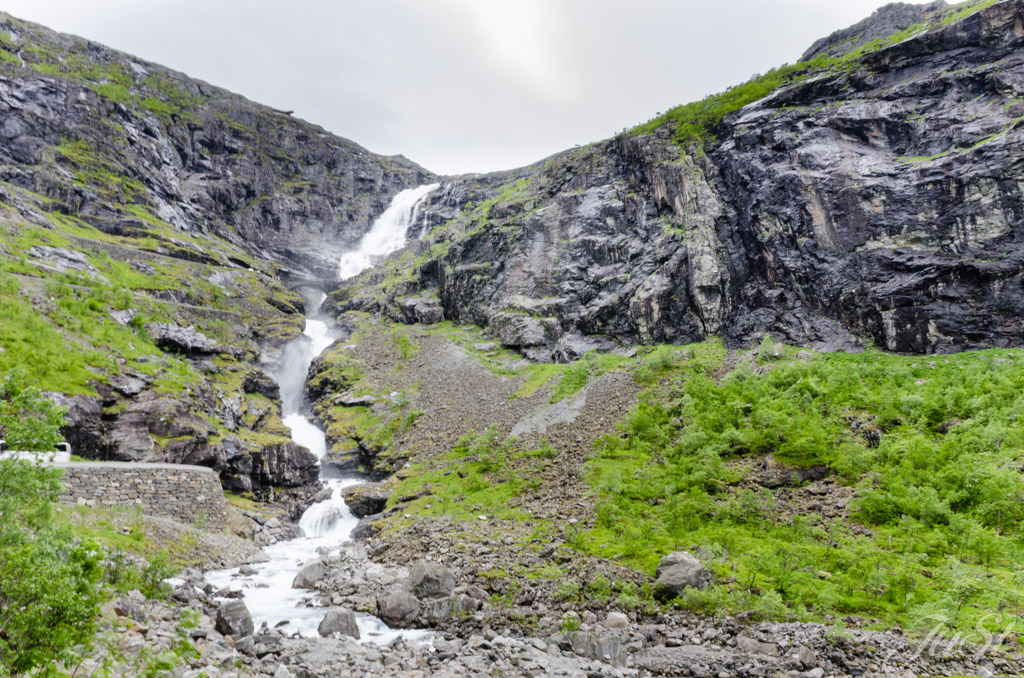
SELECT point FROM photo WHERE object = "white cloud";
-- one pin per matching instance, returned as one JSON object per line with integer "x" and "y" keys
{"x": 461, "y": 85}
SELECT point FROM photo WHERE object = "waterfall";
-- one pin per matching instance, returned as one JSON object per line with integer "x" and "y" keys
{"x": 327, "y": 524}
{"x": 387, "y": 234}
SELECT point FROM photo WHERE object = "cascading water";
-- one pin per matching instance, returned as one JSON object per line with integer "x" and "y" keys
{"x": 387, "y": 234}
{"x": 327, "y": 524}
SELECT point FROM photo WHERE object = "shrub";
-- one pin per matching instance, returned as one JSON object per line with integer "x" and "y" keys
{"x": 567, "y": 591}
{"x": 28, "y": 420}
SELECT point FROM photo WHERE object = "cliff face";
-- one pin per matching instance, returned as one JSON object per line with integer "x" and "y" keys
{"x": 208, "y": 161}
{"x": 149, "y": 226}
{"x": 877, "y": 199}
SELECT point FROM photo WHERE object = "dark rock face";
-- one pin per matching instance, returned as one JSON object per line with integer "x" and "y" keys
{"x": 221, "y": 201}
{"x": 882, "y": 23}
{"x": 366, "y": 499}
{"x": 211, "y": 161}
{"x": 879, "y": 204}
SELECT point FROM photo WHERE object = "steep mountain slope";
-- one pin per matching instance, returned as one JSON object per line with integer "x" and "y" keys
{"x": 148, "y": 226}
{"x": 870, "y": 197}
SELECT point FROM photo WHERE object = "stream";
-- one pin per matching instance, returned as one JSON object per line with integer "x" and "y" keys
{"x": 328, "y": 524}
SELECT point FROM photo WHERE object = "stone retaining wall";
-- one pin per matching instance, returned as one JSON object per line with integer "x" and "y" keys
{"x": 189, "y": 494}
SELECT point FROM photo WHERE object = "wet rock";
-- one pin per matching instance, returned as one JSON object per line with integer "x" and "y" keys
{"x": 233, "y": 619}
{"x": 367, "y": 498}
{"x": 311, "y": 573}
{"x": 339, "y": 621}
{"x": 284, "y": 464}
{"x": 678, "y": 571}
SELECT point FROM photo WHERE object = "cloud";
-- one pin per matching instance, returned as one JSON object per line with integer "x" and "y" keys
{"x": 461, "y": 85}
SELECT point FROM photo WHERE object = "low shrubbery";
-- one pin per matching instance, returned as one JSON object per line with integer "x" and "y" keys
{"x": 933, "y": 447}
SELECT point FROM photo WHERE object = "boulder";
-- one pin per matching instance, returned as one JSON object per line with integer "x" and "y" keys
{"x": 747, "y": 644}
{"x": 233, "y": 619}
{"x": 430, "y": 580}
{"x": 340, "y": 621}
{"x": 616, "y": 620}
{"x": 188, "y": 340}
{"x": 259, "y": 382}
{"x": 367, "y": 498}
{"x": 605, "y": 648}
{"x": 397, "y": 608}
{"x": 61, "y": 259}
{"x": 678, "y": 571}
{"x": 426, "y": 310}
{"x": 310, "y": 574}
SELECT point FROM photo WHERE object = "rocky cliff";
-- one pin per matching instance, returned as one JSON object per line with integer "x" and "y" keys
{"x": 151, "y": 228}
{"x": 873, "y": 197}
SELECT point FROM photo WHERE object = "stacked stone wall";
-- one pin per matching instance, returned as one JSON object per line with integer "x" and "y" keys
{"x": 189, "y": 494}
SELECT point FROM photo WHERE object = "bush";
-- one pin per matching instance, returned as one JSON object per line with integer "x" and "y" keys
{"x": 49, "y": 582}
{"x": 28, "y": 420}
{"x": 567, "y": 590}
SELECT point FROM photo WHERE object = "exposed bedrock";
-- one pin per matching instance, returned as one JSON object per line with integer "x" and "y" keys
{"x": 880, "y": 204}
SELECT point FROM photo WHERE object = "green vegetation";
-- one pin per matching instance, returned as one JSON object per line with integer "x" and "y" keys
{"x": 484, "y": 474}
{"x": 49, "y": 593}
{"x": 695, "y": 123}
{"x": 28, "y": 420}
{"x": 932, "y": 447}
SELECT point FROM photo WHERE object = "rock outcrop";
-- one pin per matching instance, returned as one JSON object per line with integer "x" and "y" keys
{"x": 183, "y": 213}
{"x": 875, "y": 203}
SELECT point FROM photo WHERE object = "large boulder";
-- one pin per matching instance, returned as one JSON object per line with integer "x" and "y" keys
{"x": 430, "y": 580}
{"x": 398, "y": 608}
{"x": 258, "y": 381}
{"x": 678, "y": 571}
{"x": 187, "y": 340}
{"x": 233, "y": 619}
{"x": 367, "y": 498}
{"x": 602, "y": 647}
{"x": 338, "y": 620}
{"x": 310, "y": 574}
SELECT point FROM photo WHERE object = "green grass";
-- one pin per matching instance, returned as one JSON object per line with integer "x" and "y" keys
{"x": 695, "y": 123}
{"x": 936, "y": 526}
{"x": 484, "y": 474}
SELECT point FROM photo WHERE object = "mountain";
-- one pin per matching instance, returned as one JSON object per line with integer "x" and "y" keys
{"x": 745, "y": 328}
{"x": 151, "y": 228}
{"x": 867, "y": 198}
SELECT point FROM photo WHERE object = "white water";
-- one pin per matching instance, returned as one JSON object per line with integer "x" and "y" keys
{"x": 387, "y": 234}
{"x": 328, "y": 524}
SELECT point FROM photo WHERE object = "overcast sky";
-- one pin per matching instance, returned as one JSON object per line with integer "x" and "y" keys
{"x": 460, "y": 85}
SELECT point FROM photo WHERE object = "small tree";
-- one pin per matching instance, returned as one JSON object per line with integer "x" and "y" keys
{"x": 28, "y": 419}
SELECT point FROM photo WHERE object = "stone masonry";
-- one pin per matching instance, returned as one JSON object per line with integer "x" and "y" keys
{"x": 189, "y": 494}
